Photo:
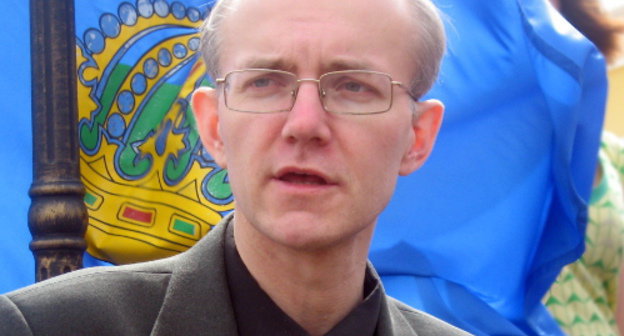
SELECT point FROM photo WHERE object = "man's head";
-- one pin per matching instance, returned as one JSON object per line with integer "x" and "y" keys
{"x": 427, "y": 41}
{"x": 312, "y": 174}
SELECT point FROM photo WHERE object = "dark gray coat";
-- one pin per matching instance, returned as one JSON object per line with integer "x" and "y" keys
{"x": 183, "y": 295}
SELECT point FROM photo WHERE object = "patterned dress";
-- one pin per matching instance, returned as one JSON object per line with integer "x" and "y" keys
{"x": 583, "y": 299}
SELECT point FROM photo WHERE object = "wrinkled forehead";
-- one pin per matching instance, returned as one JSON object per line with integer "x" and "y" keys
{"x": 376, "y": 14}
{"x": 337, "y": 25}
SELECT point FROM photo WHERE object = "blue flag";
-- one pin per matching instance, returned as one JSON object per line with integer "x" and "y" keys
{"x": 17, "y": 266}
{"x": 478, "y": 235}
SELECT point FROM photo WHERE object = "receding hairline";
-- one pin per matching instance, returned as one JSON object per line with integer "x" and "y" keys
{"x": 428, "y": 39}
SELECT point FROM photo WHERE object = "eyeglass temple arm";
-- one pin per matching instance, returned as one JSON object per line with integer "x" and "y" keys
{"x": 408, "y": 91}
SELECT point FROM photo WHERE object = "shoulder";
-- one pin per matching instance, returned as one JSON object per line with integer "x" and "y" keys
{"x": 118, "y": 300}
{"x": 79, "y": 302}
{"x": 420, "y": 322}
{"x": 91, "y": 281}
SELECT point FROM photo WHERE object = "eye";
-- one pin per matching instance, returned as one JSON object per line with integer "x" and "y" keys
{"x": 262, "y": 82}
{"x": 353, "y": 87}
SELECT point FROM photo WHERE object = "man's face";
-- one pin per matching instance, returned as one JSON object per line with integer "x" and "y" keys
{"x": 307, "y": 178}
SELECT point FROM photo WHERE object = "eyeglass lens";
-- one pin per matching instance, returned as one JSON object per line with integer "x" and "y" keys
{"x": 264, "y": 91}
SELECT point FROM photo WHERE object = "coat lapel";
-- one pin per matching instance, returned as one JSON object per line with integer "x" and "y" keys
{"x": 391, "y": 320}
{"x": 197, "y": 301}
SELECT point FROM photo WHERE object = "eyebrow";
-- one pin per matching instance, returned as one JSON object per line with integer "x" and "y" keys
{"x": 279, "y": 64}
{"x": 348, "y": 64}
{"x": 269, "y": 63}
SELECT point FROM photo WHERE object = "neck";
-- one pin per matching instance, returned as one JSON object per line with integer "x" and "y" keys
{"x": 316, "y": 288}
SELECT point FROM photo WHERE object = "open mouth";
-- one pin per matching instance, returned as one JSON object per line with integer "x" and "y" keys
{"x": 303, "y": 178}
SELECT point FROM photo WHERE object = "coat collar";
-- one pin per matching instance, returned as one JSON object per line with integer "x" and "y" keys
{"x": 197, "y": 301}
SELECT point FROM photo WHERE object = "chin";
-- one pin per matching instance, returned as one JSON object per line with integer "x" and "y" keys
{"x": 310, "y": 233}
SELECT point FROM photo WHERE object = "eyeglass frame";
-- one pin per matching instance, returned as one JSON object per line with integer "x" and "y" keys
{"x": 321, "y": 92}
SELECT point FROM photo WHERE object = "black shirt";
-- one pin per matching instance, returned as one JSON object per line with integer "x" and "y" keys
{"x": 256, "y": 314}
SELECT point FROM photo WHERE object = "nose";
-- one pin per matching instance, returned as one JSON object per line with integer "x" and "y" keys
{"x": 307, "y": 121}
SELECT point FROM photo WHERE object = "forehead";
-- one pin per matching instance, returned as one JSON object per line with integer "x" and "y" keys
{"x": 317, "y": 34}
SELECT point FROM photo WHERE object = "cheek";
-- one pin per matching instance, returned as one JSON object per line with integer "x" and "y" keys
{"x": 238, "y": 133}
{"x": 380, "y": 151}
{"x": 247, "y": 140}
{"x": 386, "y": 164}
{"x": 236, "y": 148}
{"x": 391, "y": 145}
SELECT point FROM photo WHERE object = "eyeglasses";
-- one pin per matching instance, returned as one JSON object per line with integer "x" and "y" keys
{"x": 341, "y": 92}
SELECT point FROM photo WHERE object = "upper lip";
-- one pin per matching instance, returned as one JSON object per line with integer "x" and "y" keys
{"x": 304, "y": 171}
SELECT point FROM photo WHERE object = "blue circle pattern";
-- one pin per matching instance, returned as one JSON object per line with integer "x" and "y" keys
{"x": 145, "y": 8}
{"x": 138, "y": 84}
{"x": 178, "y": 10}
{"x": 179, "y": 50}
{"x": 164, "y": 57}
{"x": 161, "y": 8}
{"x": 116, "y": 125}
{"x": 194, "y": 43}
{"x": 193, "y": 14}
{"x": 125, "y": 102}
{"x": 150, "y": 68}
{"x": 110, "y": 25}
{"x": 94, "y": 41}
{"x": 127, "y": 14}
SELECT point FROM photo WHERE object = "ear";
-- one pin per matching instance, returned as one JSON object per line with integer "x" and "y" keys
{"x": 205, "y": 106}
{"x": 425, "y": 126}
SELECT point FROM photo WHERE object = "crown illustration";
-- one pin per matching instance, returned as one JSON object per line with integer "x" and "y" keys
{"x": 152, "y": 190}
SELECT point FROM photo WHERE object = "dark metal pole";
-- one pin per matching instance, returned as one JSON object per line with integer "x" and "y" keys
{"x": 57, "y": 217}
